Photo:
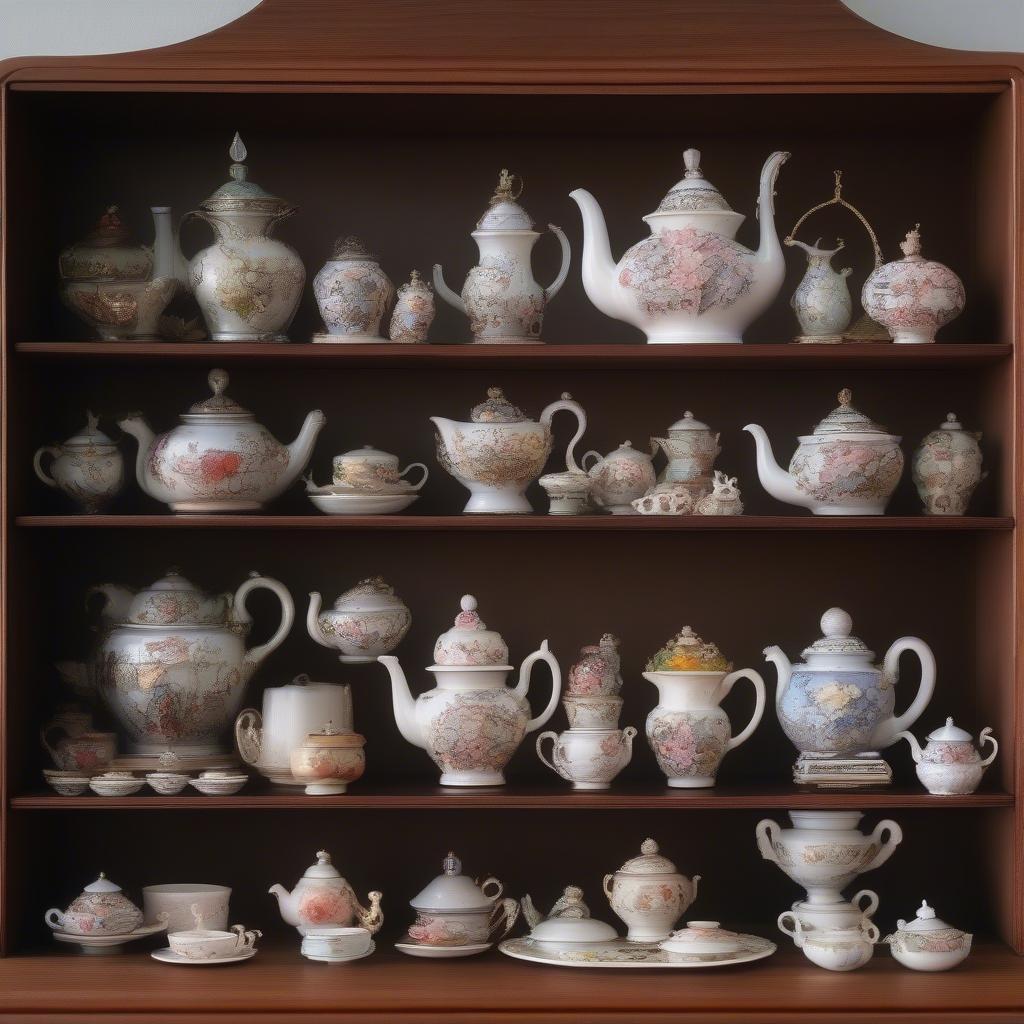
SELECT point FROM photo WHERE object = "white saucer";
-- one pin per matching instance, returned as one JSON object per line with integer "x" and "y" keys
{"x": 362, "y": 504}
{"x": 103, "y": 944}
{"x": 441, "y": 952}
{"x": 168, "y": 956}
{"x": 342, "y": 959}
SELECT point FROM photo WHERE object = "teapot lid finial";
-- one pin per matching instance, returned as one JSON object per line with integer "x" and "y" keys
{"x": 89, "y": 436}
{"x": 218, "y": 404}
{"x": 836, "y": 623}
{"x": 837, "y": 639}
{"x": 950, "y": 733}
{"x": 451, "y": 864}
{"x": 911, "y": 245}
{"x": 469, "y": 643}
{"x": 925, "y": 912}
{"x": 845, "y": 419}
{"x": 509, "y": 188}
{"x": 691, "y": 158}
{"x": 503, "y": 213}
{"x": 238, "y": 153}
{"x": 241, "y": 195}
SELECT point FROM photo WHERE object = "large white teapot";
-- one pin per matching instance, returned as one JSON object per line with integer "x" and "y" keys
{"x": 471, "y": 723}
{"x": 689, "y": 280}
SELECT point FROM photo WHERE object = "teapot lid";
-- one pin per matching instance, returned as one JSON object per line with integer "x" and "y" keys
{"x": 845, "y": 419}
{"x": 352, "y": 248}
{"x": 102, "y": 884}
{"x": 924, "y": 921}
{"x": 469, "y": 642}
{"x": 504, "y": 213}
{"x": 650, "y": 862}
{"x": 687, "y": 652}
{"x": 451, "y": 890}
{"x": 218, "y": 406}
{"x": 367, "y": 451}
{"x": 950, "y": 733}
{"x": 90, "y": 436}
{"x": 703, "y": 937}
{"x": 570, "y": 921}
{"x": 688, "y": 423}
{"x": 323, "y": 868}
{"x": 952, "y": 423}
{"x": 627, "y": 451}
{"x": 173, "y": 601}
{"x": 497, "y": 409}
{"x": 239, "y": 194}
{"x": 693, "y": 193}
{"x": 328, "y": 736}
{"x": 369, "y": 595}
{"x": 836, "y": 639}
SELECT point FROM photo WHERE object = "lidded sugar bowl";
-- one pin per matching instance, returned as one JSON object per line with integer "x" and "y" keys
{"x": 100, "y": 909}
{"x": 927, "y": 943}
{"x": 649, "y": 894}
{"x": 946, "y": 468}
{"x": 366, "y": 621}
{"x": 328, "y": 760}
{"x": 950, "y": 764}
{"x": 87, "y": 467}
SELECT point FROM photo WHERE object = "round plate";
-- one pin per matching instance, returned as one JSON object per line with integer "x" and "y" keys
{"x": 441, "y": 952}
{"x": 168, "y": 956}
{"x": 362, "y": 504}
{"x": 621, "y": 953}
{"x": 108, "y": 943}
{"x": 342, "y": 959}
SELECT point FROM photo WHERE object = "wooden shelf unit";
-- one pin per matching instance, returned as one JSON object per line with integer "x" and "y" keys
{"x": 399, "y": 143}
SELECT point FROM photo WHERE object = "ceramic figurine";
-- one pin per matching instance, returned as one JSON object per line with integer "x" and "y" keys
{"x": 649, "y": 895}
{"x": 927, "y": 943}
{"x": 822, "y": 300}
{"x": 368, "y": 469}
{"x": 598, "y": 670}
{"x": 413, "y": 313}
{"x": 689, "y": 281}
{"x": 849, "y": 466}
{"x": 666, "y": 499}
{"x": 687, "y": 730}
{"x": 172, "y": 664}
{"x": 455, "y": 910}
{"x": 947, "y": 468}
{"x": 568, "y": 493}
{"x": 85, "y": 753}
{"x": 835, "y": 949}
{"x": 505, "y": 305}
{"x": 724, "y": 499}
{"x": 290, "y": 713}
{"x": 837, "y": 703}
{"x": 101, "y": 909}
{"x": 824, "y": 851}
{"x": 368, "y": 620}
{"x": 950, "y": 765}
{"x": 691, "y": 449}
{"x": 353, "y": 294}
{"x": 913, "y": 297}
{"x": 471, "y": 722}
{"x": 619, "y": 478}
{"x": 219, "y": 459}
{"x": 500, "y": 452}
{"x": 588, "y": 758}
{"x": 247, "y": 284}
{"x": 322, "y": 899}
{"x": 120, "y": 289}
{"x": 87, "y": 467}
{"x": 592, "y": 711}
{"x": 328, "y": 760}
{"x": 568, "y": 923}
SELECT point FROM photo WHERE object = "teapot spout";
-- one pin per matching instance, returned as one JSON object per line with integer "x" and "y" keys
{"x": 915, "y": 747}
{"x": 783, "y": 668}
{"x": 445, "y": 428}
{"x": 136, "y": 425}
{"x": 769, "y": 248}
{"x": 403, "y": 702}
{"x": 278, "y": 890}
{"x": 167, "y": 258}
{"x": 300, "y": 451}
{"x": 600, "y": 274}
{"x": 774, "y": 479}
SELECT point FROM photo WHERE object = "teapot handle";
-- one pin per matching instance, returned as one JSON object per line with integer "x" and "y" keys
{"x": 255, "y": 655}
{"x": 598, "y": 459}
{"x": 567, "y": 404}
{"x": 765, "y": 831}
{"x": 552, "y": 289}
{"x": 872, "y": 904}
{"x": 553, "y": 736}
{"x": 249, "y": 735}
{"x": 423, "y": 479}
{"x": 541, "y": 654}
{"x": 795, "y": 930}
{"x": 759, "y": 691}
{"x": 885, "y": 850}
{"x": 985, "y": 736}
{"x": 54, "y": 918}
{"x": 885, "y": 735}
{"x": 870, "y": 931}
{"x": 37, "y": 463}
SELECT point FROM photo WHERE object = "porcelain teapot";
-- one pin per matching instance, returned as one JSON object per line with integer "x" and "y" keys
{"x": 849, "y": 466}
{"x": 100, "y": 909}
{"x": 219, "y": 459}
{"x": 950, "y": 764}
{"x": 171, "y": 663}
{"x": 471, "y": 723}
{"x": 500, "y": 452}
{"x": 837, "y": 702}
{"x": 323, "y": 899}
{"x": 505, "y": 305}
{"x": 87, "y": 467}
{"x": 689, "y": 280}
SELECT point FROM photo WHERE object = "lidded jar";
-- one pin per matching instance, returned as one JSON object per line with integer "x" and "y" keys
{"x": 469, "y": 643}
{"x": 927, "y": 943}
{"x": 327, "y": 761}
{"x": 87, "y": 467}
{"x": 101, "y": 909}
{"x": 413, "y": 313}
{"x": 106, "y": 254}
{"x": 353, "y": 294}
{"x": 947, "y": 468}
{"x": 649, "y": 894}
{"x": 366, "y": 621}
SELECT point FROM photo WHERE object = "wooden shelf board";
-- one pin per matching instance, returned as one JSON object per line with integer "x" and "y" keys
{"x": 279, "y": 984}
{"x": 419, "y": 795}
{"x": 594, "y": 356}
{"x": 513, "y": 524}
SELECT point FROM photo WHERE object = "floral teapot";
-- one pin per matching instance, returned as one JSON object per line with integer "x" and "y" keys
{"x": 950, "y": 764}
{"x": 471, "y": 723}
{"x": 500, "y": 452}
{"x": 323, "y": 899}
{"x": 219, "y": 459}
{"x": 689, "y": 281}
{"x": 505, "y": 305}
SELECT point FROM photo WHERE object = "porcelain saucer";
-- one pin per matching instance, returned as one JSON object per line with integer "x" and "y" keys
{"x": 342, "y": 959}
{"x": 441, "y": 952}
{"x": 105, "y": 944}
{"x": 168, "y": 956}
{"x": 351, "y": 504}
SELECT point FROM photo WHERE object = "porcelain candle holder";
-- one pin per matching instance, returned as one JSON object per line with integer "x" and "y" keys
{"x": 87, "y": 467}
{"x": 353, "y": 294}
{"x": 589, "y": 758}
{"x": 366, "y": 621}
{"x": 946, "y": 468}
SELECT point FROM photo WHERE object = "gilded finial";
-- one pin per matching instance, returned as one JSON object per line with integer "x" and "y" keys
{"x": 238, "y": 153}
{"x": 845, "y": 397}
{"x": 911, "y": 245}
{"x": 510, "y": 187}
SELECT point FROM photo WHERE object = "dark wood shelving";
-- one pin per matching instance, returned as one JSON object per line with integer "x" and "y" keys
{"x": 419, "y": 796}
{"x": 515, "y": 524}
{"x": 547, "y": 356}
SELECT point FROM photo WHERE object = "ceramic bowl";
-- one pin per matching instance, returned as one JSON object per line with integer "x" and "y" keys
{"x": 218, "y": 783}
{"x": 66, "y": 783}
{"x": 592, "y": 712}
{"x": 212, "y": 944}
{"x": 116, "y": 784}
{"x": 336, "y": 943}
{"x": 173, "y": 904}
{"x": 167, "y": 783}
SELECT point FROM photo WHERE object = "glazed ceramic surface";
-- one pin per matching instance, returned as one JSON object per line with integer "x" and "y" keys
{"x": 66, "y": 783}
{"x": 471, "y": 722}
{"x": 172, "y": 663}
{"x": 337, "y": 944}
{"x": 505, "y": 305}
{"x": 689, "y": 281}
{"x": 649, "y": 894}
{"x": 413, "y": 313}
{"x": 219, "y": 459}
{"x": 368, "y": 469}
{"x": 837, "y": 702}
{"x": 619, "y": 953}
{"x": 323, "y": 899}
{"x": 585, "y": 711}
{"x": 824, "y": 851}
{"x": 87, "y": 753}
{"x": 101, "y": 909}
{"x": 116, "y": 784}
{"x": 213, "y": 944}
{"x": 835, "y": 949}
{"x": 87, "y": 467}
{"x": 568, "y": 493}
{"x": 168, "y": 956}
{"x": 849, "y": 466}
{"x": 950, "y": 764}
{"x": 500, "y": 452}
{"x": 946, "y": 468}
{"x": 619, "y": 478}
{"x": 351, "y": 504}
{"x": 219, "y": 783}
{"x": 598, "y": 670}
{"x": 425, "y": 952}
{"x": 247, "y": 284}
{"x": 927, "y": 943}
{"x": 105, "y": 945}
{"x": 366, "y": 621}
{"x": 328, "y": 760}
{"x": 353, "y": 294}
{"x": 821, "y": 302}
{"x": 589, "y": 758}
{"x": 568, "y": 924}
{"x": 691, "y": 448}
{"x": 913, "y": 297}
{"x": 175, "y": 905}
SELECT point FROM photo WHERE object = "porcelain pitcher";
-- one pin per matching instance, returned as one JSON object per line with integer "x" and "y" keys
{"x": 822, "y": 302}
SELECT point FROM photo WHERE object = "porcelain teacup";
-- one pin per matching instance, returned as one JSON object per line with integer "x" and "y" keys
{"x": 588, "y": 758}
{"x": 211, "y": 944}
{"x": 367, "y": 469}
{"x": 593, "y": 711}
{"x": 464, "y": 927}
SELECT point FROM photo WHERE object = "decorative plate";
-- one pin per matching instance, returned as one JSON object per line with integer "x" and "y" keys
{"x": 621, "y": 953}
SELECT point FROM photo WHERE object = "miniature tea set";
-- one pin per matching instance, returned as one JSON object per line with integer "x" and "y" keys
{"x": 367, "y": 482}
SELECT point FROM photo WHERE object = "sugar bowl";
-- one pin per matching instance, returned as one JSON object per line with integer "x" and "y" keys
{"x": 327, "y": 761}
{"x": 369, "y": 469}
{"x": 87, "y": 467}
{"x": 927, "y": 943}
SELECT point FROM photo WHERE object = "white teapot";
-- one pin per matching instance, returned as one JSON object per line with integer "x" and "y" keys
{"x": 471, "y": 723}
{"x": 950, "y": 764}
{"x": 87, "y": 467}
{"x": 688, "y": 281}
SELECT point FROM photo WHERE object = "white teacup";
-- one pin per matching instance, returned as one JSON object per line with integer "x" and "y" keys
{"x": 464, "y": 927}
{"x": 367, "y": 469}
{"x": 336, "y": 943}
{"x": 172, "y": 904}
{"x": 596, "y": 711}
{"x": 588, "y": 758}
{"x": 212, "y": 944}
{"x": 835, "y": 949}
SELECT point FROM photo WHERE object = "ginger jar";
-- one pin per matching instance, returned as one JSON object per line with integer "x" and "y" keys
{"x": 947, "y": 468}
{"x": 353, "y": 294}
